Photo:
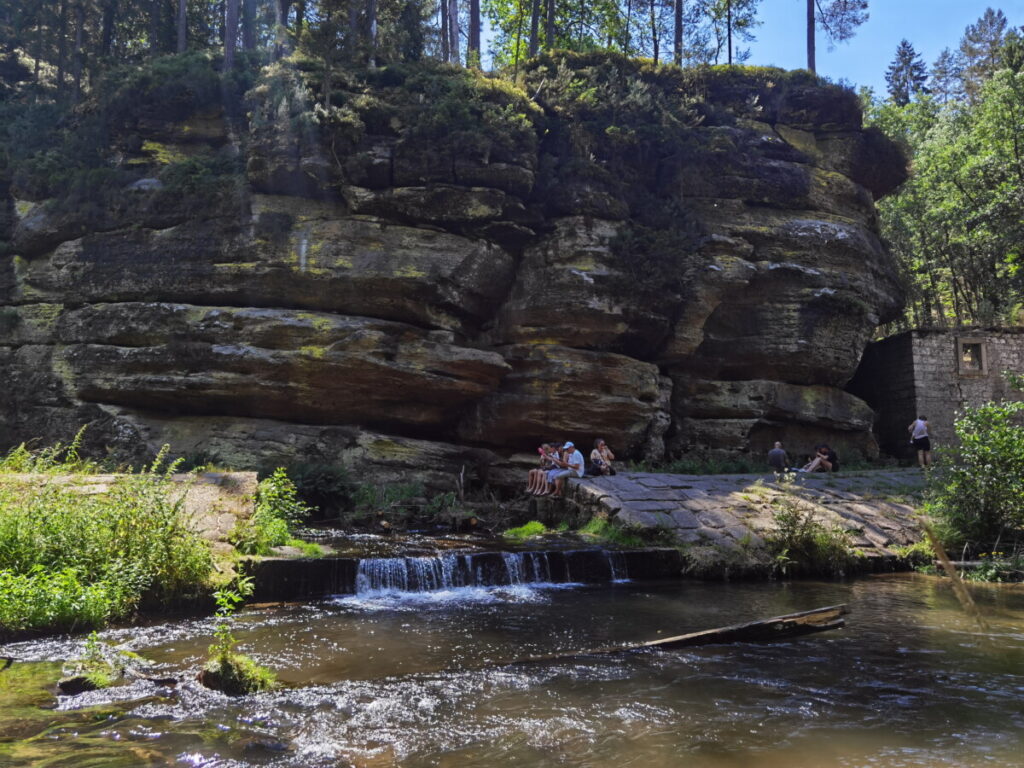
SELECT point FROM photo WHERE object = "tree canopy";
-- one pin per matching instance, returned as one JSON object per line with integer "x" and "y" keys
{"x": 957, "y": 226}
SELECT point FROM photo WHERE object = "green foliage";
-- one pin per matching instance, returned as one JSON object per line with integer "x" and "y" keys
{"x": 226, "y": 669}
{"x": 609, "y": 533}
{"x": 371, "y": 498}
{"x": 977, "y": 495}
{"x": 526, "y": 531}
{"x": 69, "y": 559}
{"x": 702, "y": 464}
{"x": 800, "y": 543}
{"x": 57, "y": 600}
{"x": 916, "y": 555}
{"x": 997, "y": 567}
{"x": 326, "y": 488}
{"x": 955, "y": 226}
{"x": 278, "y": 510}
{"x": 100, "y": 663}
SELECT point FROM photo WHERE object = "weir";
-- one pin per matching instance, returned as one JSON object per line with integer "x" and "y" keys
{"x": 301, "y": 578}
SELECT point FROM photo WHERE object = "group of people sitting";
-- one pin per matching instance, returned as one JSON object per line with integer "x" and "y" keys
{"x": 556, "y": 464}
{"x": 824, "y": 460}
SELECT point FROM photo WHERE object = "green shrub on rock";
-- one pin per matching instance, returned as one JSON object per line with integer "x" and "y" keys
{"x": 227, "y": 670}
{"x": 278, "y": 510}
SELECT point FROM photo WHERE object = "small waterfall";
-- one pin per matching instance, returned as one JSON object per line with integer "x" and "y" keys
{"x": 485, "y": 569}
{"x": 617, "y": 565}
{"x": 515, "y": 566}
{"x": 303, "y": 249}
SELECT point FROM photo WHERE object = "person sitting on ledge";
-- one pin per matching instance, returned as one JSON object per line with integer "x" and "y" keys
{"x": 537, "y": 477}
{"x": 825, "y": 460}
{"x": 571, "y": 464}
{"x": 601, "y": 458}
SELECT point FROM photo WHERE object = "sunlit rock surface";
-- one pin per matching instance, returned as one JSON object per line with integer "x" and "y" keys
{"x": 409, "y": 314}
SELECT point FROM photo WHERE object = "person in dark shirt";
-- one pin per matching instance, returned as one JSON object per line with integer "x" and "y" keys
{"x": 777, "y": 459}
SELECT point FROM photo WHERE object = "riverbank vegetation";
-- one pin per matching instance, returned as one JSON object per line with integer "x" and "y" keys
{"x": 977, "y": 492}
{"x": 71, "y": 560}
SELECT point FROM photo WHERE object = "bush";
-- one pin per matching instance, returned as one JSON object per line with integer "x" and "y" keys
{"x": 802, "y": 544}
{"x": 278, "y": 511}
{"x": 978, "y": 492}
{"x": 71, "y": 560}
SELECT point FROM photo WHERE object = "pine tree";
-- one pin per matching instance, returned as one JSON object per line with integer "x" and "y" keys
{"x": 906, "y": 75}
{"x": 945, "y": 82}
{"x": 980, "y": 51}
{"x": 838, "y": 19}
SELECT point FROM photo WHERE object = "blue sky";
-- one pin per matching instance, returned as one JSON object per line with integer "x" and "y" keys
{"x": 929, "y": 25}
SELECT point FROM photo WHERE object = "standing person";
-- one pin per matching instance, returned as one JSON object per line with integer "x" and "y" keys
{"x": 601, "y": 458}
{"x": 571, "y": 464}
{"x": 920, "y": 439}
{"x": 778, "y": 460}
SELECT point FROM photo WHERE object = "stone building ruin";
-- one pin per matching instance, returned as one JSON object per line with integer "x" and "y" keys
{"x": 936, "y": 373}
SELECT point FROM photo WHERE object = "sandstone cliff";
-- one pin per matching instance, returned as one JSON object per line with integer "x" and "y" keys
{"x": 438, "y": 270}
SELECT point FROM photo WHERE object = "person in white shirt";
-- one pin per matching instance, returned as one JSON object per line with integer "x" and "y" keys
{"x": 571, "y": 465}
{"x": 919, "y": 438}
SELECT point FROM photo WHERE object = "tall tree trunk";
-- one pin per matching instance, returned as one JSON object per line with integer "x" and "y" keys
{"x": 654, "y": 32}
{"x": 810, "y": 35}
{"x": 249, "y": 25}
{"x": 534, "y": 27}
{"x": 62, "y": 50}
{"x": 280, "y": 20}
{"x": 107, "y": 27}
{"x": 473, "y": 50}
{"x": 155, "y": 11}
{"x": 629, "y": 26}
{"x": 728, "y": 27}
{"x": 78, "y": 57}
{"x": 300, "y": 16}
{"x": 182, "y": 26}
{"x": 549, "y": 25}
{"x": 677, "y": 32}
{"x": 230, "y": 33}
{"x": 445, "y": 35}
{"x": 453, "y": 31}
{"x": 371, "y": 19}
{"x": 519, "y": 40}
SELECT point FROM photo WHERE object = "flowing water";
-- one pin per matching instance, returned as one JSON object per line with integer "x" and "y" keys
{"x": 392, "y": 677}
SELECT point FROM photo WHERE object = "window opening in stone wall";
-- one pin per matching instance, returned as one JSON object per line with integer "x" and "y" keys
{"x": 971, "y": 357}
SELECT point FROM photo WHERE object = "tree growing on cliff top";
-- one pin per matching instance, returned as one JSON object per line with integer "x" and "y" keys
{"x": 838, "y": 19}
{"x": 906, "y": 75}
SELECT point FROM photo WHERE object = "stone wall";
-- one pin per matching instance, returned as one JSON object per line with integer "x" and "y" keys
{"x": 923, "y": 372}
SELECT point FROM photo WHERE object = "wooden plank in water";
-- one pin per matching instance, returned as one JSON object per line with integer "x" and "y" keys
{"x": 762, "y": 631}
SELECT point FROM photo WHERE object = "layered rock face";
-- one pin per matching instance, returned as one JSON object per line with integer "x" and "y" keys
{"x": 409, "y": 309}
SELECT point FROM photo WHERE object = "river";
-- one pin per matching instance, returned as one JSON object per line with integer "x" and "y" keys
{"x": 385, "y": 678}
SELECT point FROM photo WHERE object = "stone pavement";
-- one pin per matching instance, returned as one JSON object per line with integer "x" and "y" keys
{"x": 730, "y": 512}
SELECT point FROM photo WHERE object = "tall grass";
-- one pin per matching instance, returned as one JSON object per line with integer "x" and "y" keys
{"x": 71, "y": 559}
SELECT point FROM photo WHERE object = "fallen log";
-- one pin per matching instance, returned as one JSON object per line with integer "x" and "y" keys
{"x": 762, "y": 631}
